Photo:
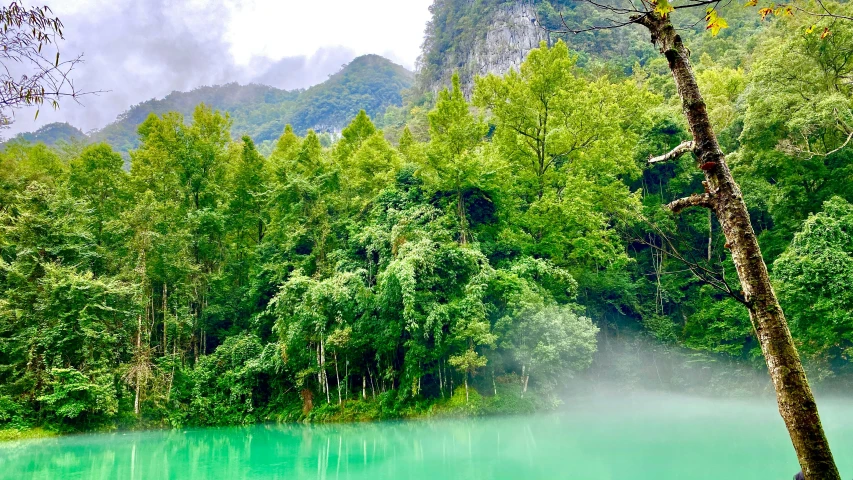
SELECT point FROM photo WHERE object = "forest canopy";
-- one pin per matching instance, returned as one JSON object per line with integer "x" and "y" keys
{"x": 454, "y": 254}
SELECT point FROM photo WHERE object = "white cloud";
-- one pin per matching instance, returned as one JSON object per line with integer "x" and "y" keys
{"x": 279, "y": 29}
{"x": 142, "y": 49}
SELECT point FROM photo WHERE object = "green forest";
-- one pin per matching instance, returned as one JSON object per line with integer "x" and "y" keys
{"x": 456, "y": 255}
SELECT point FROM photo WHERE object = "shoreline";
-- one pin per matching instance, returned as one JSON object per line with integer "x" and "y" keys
{"x": 506, "y": 403}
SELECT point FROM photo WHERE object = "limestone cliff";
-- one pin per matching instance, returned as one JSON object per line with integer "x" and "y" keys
{"x": 512, "y": 32}
{"x": 477, "y": 37}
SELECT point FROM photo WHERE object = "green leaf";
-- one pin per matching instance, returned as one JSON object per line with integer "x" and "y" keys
{"x": 663, "y": 8}
{"x": 715, "y": 22}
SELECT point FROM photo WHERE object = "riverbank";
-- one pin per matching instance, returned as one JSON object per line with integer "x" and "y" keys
{"x": 504, "y": 399}
{"x": 15, "y": 434}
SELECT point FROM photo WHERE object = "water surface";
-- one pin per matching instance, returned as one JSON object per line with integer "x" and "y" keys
{"x": 637, "y": 438}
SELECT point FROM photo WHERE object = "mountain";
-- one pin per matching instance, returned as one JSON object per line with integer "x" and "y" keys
{"x": 478, "y": 37}
{"x": 370, "y": 82}
{"x": 256, "y": 110}
{"x": 52, "y": 133}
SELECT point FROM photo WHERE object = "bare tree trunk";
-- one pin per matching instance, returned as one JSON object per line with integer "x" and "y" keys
{"x": 723, "y": 197}
{"x": 372, "y": 387}
{"x": 319, "y": 369}
{"x": 325, "y": 376}
{"x": 657, "y": 262}
{"x": 165, "y": 343}
{"x": 466, "y": 387}
{"x": 463, "y": 218}
{"x": 138, "y": 373}
{"x": 440, "y": 382}
{"x": 337, "y": 377}
{"x": 710, "y": 233}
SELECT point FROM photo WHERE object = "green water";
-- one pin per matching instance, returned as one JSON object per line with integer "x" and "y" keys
{"x": 637, "y": 438}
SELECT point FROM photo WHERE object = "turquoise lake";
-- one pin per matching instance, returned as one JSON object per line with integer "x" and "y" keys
{"x": 641, "y": 437}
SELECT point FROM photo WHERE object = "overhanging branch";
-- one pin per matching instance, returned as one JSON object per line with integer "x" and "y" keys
{"x": 695, "y": 200}
{"x": 704, "y": 273}
{"x": 676, "y": 152}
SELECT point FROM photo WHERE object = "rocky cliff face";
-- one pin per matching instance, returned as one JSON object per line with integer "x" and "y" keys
{"x": 513, "y": 31}
{"x": 479, "y": 37}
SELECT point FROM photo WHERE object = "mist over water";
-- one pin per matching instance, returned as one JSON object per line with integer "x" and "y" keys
{"x": 637, "y": 436}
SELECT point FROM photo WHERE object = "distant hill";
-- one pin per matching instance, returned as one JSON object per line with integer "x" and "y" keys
{"x": 52, "y": 133}
{"x": 259, "y": 111}
{"x": 370, "y": 82}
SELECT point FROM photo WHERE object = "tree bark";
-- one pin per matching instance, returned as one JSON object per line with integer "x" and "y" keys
{"x": 723, "y": 197}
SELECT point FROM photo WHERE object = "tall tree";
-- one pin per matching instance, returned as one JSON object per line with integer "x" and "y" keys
{"x": 452, "y": 163}
{"x": 97, "y": 177}
{"x": 724, "y": 198}
{"x": 249, "y": 191}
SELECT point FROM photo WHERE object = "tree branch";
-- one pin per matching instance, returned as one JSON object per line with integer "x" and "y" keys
{"x": 827, "y": 13}
{"x": 675, "y": 153}
{"x": 695, "y": 200}
{"x": 846, "y": 142}
{"x": 704, "y": 274}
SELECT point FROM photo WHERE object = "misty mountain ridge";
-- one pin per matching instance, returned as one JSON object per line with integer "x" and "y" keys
{"x": 370, "y": 82}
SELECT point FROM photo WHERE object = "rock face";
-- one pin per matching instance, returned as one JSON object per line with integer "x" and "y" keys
{"x": 506, "y": 31}
{"x": 513, "y": 31}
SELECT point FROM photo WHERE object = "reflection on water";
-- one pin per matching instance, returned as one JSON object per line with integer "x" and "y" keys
{"x": 640, "y": 438}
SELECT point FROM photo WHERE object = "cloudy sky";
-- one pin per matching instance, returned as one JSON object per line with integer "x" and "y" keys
{"x": 134, "y": 50}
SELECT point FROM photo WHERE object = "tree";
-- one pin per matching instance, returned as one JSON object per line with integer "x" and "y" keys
{"x": 452, "y": 164}
{"x": 308, "y": 311}
{"x": 816, "y": 274}
{"x": 564, "y": 146}
{"x": 371, "y": 168}
{"x": 798, "y": 123}
{"x": 179, "y": 174}
{"x": 97, "y": 177}
{"x": 724, "y": 198}
{"x": 366, "y": 160}
{"x": 551, "y": 342}
{"x": 285, "y": 150}
{"x": 547, "y": 116}
{"x": 360, "y": 129}
{"x": 25, "y": 35}
{"x": 249, "y": 192}
{"x": 467, "y": 363}
{"x": 63, "y": 331}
